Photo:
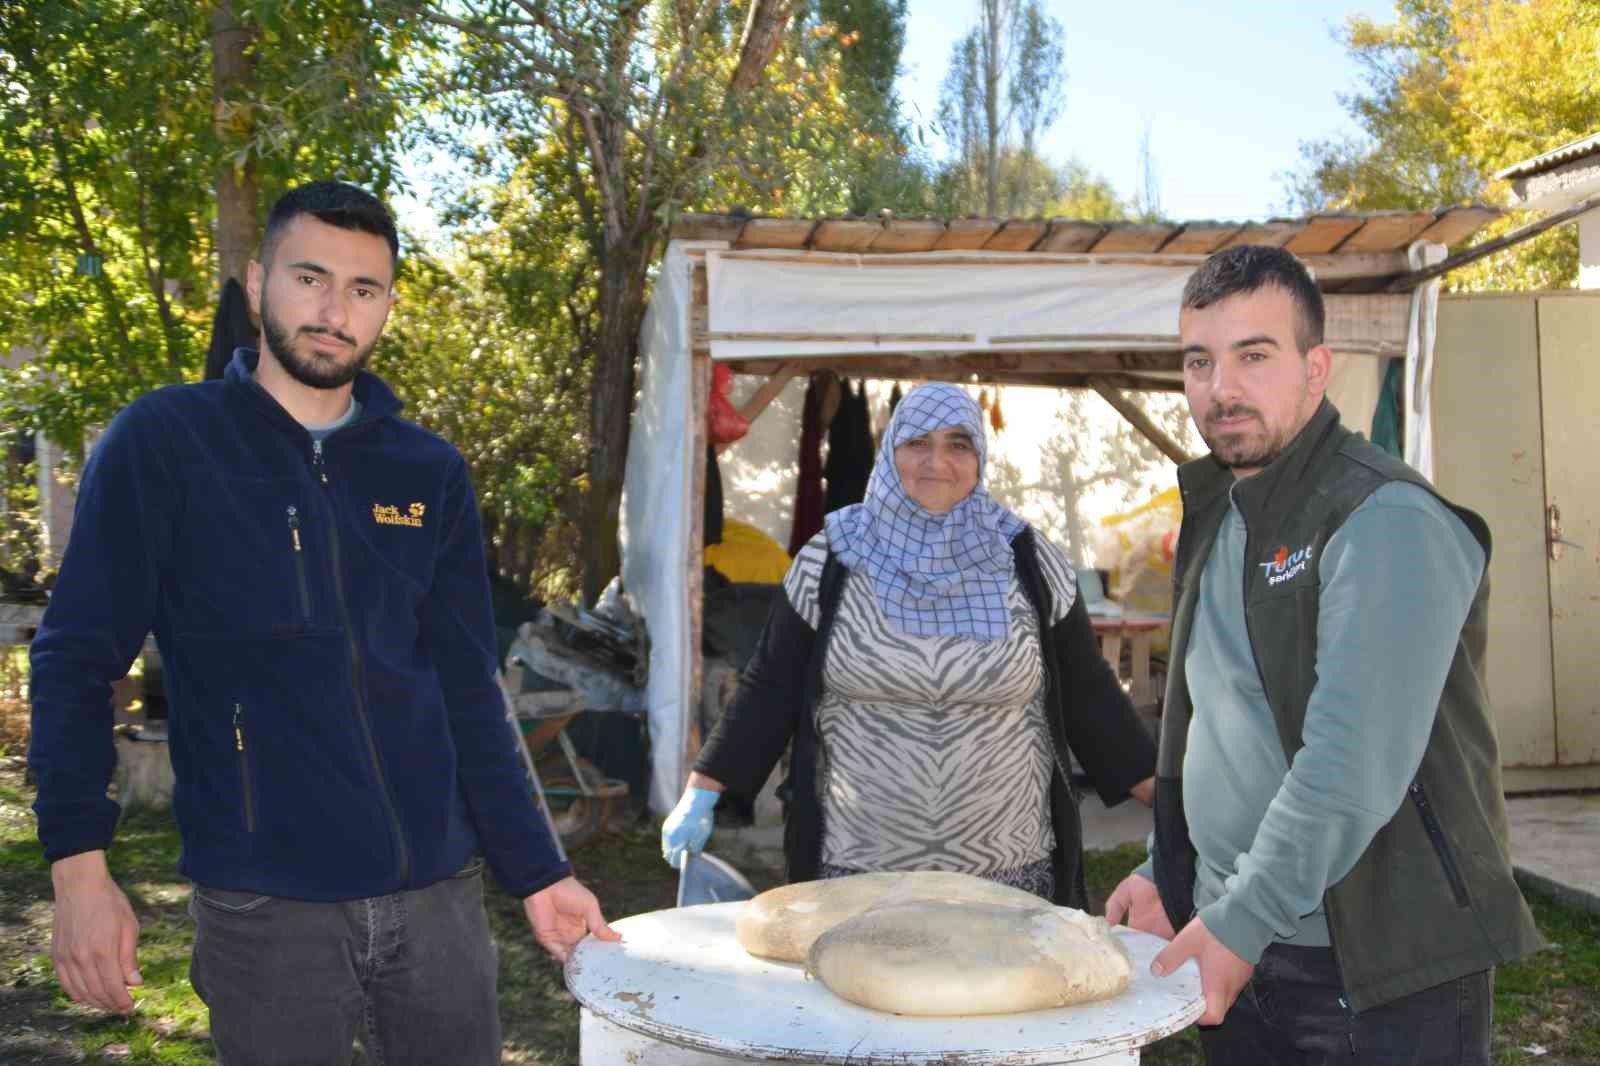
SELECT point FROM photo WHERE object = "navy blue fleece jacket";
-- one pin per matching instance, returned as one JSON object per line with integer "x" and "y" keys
{"x": 324, "y": 624}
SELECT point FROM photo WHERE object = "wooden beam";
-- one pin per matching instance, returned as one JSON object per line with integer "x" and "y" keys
{"x": 1458, "y": 223}
{"x": 967, "y": 234}
{"x": 1201, "y": 238}
{"x": 1343, "y": 267}
{"x": 1275, "y": 233}
{"x": 1323, "y": 234}
{"x": 1488, "y": 248}
{"x": 1134, "y": 237}
{"x": 776, "y": 233}
{"x": 1388, "y": 232}
{"x": 845, "y": 235}
{"x": 1017, "y": 235}
{"x": 960, "y": 364}
{"x": 1070, "y": 235}
{"x": 1142, "y": 422}
{"x": 703, "y": 227}
{"x": 909, "y": 235}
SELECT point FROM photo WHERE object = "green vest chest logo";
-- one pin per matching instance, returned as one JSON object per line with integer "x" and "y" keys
{"x": 1286, "y": 565}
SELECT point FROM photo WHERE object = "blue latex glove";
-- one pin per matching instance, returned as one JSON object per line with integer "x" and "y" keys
{"x": 689, "y": 825}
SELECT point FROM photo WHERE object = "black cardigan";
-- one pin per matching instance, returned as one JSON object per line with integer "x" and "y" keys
{"x": 778, "y": 693}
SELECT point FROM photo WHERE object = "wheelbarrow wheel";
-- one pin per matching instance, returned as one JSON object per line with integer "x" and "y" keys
{"x": 581, "y": 817}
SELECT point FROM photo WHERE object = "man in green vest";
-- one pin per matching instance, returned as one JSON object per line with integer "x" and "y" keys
{"x": 1330, "y": 839}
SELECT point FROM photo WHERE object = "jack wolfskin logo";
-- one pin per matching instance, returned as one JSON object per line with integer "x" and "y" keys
{"x": 1286, "y": 564}
{"x": 387, "y": 514}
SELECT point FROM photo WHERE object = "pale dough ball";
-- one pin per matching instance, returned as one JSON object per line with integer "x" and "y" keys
{"x": 940, "y": 957}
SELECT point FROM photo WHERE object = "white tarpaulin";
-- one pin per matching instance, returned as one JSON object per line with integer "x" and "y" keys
{"x": 761, "y": 303}
{"x": 1418, "y": 416}
{"x": 655, "y": 519}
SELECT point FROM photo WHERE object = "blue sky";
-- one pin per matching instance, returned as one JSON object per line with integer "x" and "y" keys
{"x": 1228, "y": 90}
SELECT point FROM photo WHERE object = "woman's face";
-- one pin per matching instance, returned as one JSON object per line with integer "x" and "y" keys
{"x": 938, "y": 469}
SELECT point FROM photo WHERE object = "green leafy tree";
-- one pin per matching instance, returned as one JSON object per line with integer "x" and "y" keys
{"x": 1004, "y": 89}
{"x": 1453, "y": 91}
{"x": 460, "y": 350}
{"x": 630, "y": 112}
{"x": 108, "y": 177}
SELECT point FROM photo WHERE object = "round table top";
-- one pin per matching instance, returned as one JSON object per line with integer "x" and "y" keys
{"x": 680, "y": 976}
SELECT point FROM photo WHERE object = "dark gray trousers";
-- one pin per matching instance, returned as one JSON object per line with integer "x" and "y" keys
{"x": 292, "y": 982}
{"x": 1292, "y": 1014}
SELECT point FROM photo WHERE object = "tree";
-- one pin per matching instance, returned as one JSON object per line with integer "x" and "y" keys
{"x": 108, "y": 175}
{"x": 1453, "y": 91}
{"x": 459, "y": 350}
{"x": 648, "y": 108}
{"x": 1002, "y": 92}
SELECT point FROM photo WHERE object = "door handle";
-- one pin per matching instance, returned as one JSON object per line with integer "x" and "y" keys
{"x": 1553, "y": 533}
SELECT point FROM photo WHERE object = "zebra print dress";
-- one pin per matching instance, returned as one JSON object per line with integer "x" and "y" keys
{"x": 936, "y": 752}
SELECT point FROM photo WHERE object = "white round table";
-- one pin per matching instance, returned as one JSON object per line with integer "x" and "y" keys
{"x": 678, "y": 990}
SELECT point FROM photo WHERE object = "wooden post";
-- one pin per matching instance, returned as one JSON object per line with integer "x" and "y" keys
{"x": 1141, "y": 422}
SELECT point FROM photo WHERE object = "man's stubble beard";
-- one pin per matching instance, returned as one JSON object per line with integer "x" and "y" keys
{"x": 1263, "y": 455}
{"x": 311, "y": 371}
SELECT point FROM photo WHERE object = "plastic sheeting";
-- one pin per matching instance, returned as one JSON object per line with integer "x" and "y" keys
{"x": 1418, "y": 396}
{"x": 761, "y": 304}
{"x": 656, "y": 519}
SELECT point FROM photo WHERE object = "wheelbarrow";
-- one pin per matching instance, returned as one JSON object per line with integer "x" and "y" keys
{"x": 578, "y": 800}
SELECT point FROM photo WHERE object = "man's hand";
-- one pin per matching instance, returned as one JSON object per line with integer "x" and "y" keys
{"x": 1223, "y": 974}
{"x": 95, "y": 934}
{"x": 1137, "y": 903}
{"x": 562, "y": 914}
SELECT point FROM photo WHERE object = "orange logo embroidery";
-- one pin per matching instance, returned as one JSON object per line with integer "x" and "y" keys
{"x": 388, "y": 514}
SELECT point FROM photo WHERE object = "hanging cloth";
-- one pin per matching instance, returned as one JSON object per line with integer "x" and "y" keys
{"x": 808, "y": 487}
{"x": 230, "y": 328}
{"x": 849, "y": 450}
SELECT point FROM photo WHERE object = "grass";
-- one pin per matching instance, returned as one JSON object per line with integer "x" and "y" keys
{"x": 1547, "y": 1008}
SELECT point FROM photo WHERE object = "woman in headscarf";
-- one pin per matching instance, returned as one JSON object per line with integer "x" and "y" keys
{"x": 933, "y": 665}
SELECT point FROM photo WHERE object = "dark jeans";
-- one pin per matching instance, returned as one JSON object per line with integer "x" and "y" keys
{"x": 1292, "y": 1012}
{"x": 412, "y": 974}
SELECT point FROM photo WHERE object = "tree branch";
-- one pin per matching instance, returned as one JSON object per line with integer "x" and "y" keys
{"x": 762, "y": 32}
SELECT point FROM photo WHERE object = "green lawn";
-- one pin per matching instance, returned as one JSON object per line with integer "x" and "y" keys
{"x": 1551, "y": 1002}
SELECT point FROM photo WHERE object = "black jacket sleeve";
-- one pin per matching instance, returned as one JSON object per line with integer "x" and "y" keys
{"x": 750, "y": 738}
{"x": 1114, "y": 747}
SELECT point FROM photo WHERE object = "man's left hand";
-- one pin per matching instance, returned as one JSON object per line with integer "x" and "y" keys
{"x": 1223, "y": 974}
{"x": 561, "y": 914}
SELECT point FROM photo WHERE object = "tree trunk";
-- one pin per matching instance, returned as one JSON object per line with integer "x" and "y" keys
{"x": 621, "y": 313}
{"x": 231, "y": 66}
{"x": 993, "y": 16}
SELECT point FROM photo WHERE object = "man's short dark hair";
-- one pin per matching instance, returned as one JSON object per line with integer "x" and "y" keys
{"x": 337, "y": 204}
{"x": 1247, "y": 268}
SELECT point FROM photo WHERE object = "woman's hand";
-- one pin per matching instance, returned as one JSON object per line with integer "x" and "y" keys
{"x": 689, "y": 825}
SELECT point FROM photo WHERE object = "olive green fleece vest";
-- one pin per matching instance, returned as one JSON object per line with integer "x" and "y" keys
{"x": 1432, "y": 898}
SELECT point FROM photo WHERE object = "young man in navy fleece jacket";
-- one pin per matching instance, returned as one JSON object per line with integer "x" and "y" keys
{"x": 312, "y": 567}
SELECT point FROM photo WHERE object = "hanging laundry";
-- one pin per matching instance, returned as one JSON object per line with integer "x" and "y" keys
{"x": 850, "y": 450}
{"x": 808, "y": 487}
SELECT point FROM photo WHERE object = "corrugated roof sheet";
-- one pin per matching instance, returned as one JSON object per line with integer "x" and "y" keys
{"x": 1556, "y": 157}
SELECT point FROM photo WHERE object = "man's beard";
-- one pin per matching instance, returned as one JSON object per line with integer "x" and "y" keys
{"x": 314, "y": 371}
{"x": 1243, "y": 450}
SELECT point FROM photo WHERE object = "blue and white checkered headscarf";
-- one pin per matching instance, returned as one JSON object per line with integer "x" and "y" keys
{"x": 933, "y": 575}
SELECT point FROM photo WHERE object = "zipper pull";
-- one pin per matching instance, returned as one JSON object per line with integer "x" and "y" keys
{"x": 238, "y": 727}
{"x": 317, "y": 461}
{"x": 294, "y": 527}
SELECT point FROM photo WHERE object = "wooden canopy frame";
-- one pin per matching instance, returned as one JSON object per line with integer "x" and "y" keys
{"x": 1360, "y": 262}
